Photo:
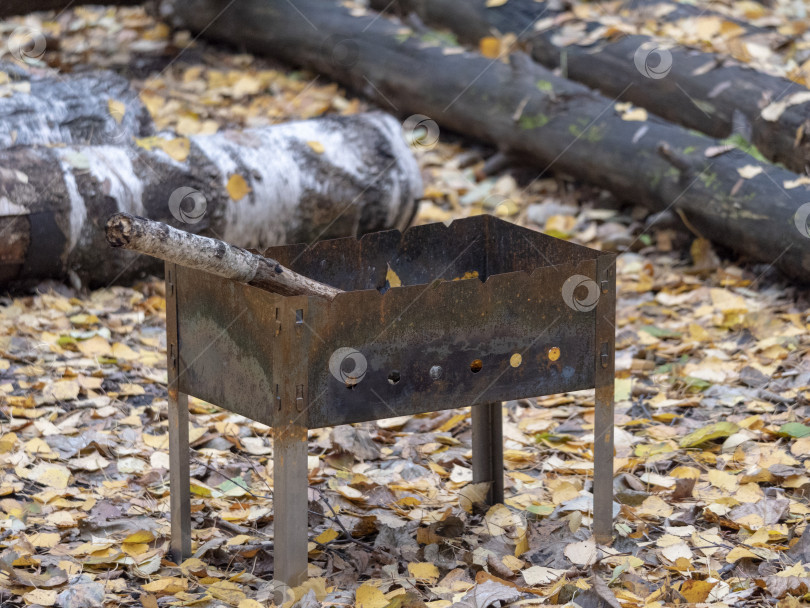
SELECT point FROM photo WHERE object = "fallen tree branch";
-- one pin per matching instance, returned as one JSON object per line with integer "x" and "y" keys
{"x": 210, "y": 255}
{"x": 560, "y": 125}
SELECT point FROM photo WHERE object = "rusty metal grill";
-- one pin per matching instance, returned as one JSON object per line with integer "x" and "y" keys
{"x": 469, "y": 314}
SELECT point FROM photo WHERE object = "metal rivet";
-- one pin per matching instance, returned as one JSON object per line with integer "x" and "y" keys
{"x": 436, "y": 372}
{"x": 515, "y": 360}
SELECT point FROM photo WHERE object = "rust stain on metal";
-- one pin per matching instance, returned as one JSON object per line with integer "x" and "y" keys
{"x": 237, "y": 349}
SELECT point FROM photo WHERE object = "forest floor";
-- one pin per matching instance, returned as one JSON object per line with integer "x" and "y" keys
{"x": 712, "y": 437}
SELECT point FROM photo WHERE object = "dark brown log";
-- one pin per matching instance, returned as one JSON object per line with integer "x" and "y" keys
{"x": 22, "y": 7}
{"x": 702, "y": 91}
{"x": 222, "y": 259}
{"x": 291, "y": 183}
{"x": 90, "y": 108}
{"x": 526, "y": 110}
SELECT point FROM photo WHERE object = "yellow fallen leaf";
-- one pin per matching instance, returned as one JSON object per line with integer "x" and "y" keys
{"x": 166, "y": 586}
{"x": 795, "y": 183}
{"x": 134, "y": 549}
{"x": 495, "y": 3}
{"x": 392, "y": 278}
{"x": 195, "y": 566}
{"x": 317, "y": 584}
{"x": 685, "y": 473}
{"x": 41, "y": 597}
{"x": 724, "y": 481}
{"x": 94, "y": 347}
{"x": 635, "y": 115}
{"x": 157, "y": 442}
{"x": 117, "y": 109}
{"x": 327, "y": 535}
{"x": 50, "y": 475}
{"x": 45, "y": 540}
{"x": 696, "y": 591}
{"x": 727, "y": 301}
{"x": 122, "y": 351}
{"x": 239, "y": 539}
{"x": 654, "y": 506}
{"x": 141, "y": 536}
{"x": 177, "y": 148}
{"x": 489, "y": 47}
{"x": 237, "y": 187}
{"x": 7, "y": 442}
{"x": 424, "y": 571}
{"x": 716, "y": 430}
{"x": 227, "y": 592}
{"x": 316, "y": 146}
{"x": 737, "y": 553}
{"x": 130, "y": 389}
{"x": 63, "y": 390}
{"x": 39, "y": 447}
{"x": 749, "y": 171}
{"x": 368, "y": 596}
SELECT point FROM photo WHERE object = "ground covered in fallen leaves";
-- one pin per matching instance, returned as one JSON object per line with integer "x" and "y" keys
{"x": 712, "y": 435}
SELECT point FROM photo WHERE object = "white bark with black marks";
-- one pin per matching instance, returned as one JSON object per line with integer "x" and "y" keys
{"x": 307, "y": 180}
{"x": 87, "y": 108}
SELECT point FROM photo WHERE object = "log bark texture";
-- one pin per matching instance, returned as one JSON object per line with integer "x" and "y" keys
{"x": 217, "y": 257}
{"x": 92, "y": 108}
{"x": 525, "y": 109}
{"x": 295, "y": 182}
{"x": 698, "y": 90}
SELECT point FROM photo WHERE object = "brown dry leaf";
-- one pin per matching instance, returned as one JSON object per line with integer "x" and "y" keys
{"x": 794, "y": 581}
{"x": 582, "y": 553}
{"x": 487, "y": 594}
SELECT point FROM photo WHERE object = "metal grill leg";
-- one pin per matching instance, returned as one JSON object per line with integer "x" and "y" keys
{"x": 290, "y": 484}
{"x": 604, "y": 366}
{"x": 603, "y": 466}
{"x": 487, "y": 448}
{"x": 179, "y": 483}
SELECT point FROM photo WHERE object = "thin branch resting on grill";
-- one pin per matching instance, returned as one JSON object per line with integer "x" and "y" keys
{"x": 210, "y": 255}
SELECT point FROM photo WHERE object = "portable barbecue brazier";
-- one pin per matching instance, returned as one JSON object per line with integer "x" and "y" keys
{"x": 483, "y": 311}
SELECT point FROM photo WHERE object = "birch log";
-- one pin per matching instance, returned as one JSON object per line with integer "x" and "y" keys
{"x": 295, "y": 182}
{"x": 754, "y": 208}
{"x": 92, "y": 108}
